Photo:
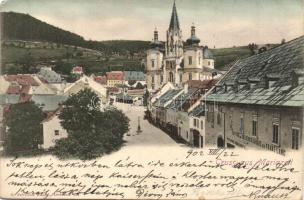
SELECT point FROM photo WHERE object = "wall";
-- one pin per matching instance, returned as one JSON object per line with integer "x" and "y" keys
{"x": 288, "y": 117}
{"x": 49, "y": 136}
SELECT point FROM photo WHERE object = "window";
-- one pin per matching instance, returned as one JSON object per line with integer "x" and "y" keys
{"x": 181, "y": 78}
{"x": 275, "y": 133}
{"x": 242, "y": 123}
{"x": 190, "y": 76}
{"x": 153, "y": 63}
{"x": 190, "y": 60}
{"x": 161, "y": 79}
{"x": 199, "y": 60}
{"x": 56, "y": 132}
{"x": 295, "y": 138}
{"x": 153, "y": 80}
{"x": 254, "y": 125}
{"x": 202, "y": 124}
{"x": 194, "y": 122}
{"x": 187, "y": 135}
{"x": 208, "y": 63}
{"x": 219, "y": 121}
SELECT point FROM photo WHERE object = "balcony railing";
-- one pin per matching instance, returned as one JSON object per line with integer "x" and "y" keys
{"x": 259, "y": 143}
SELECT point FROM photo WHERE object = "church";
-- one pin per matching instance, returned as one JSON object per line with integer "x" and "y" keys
{"x": 177, "y": 61}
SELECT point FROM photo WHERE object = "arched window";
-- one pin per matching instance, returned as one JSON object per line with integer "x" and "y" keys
{"x": 190, "y": 76}
{"x": 171, "y": 77}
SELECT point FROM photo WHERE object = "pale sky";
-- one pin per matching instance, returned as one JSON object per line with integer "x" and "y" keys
{"x": 222, "y": 23}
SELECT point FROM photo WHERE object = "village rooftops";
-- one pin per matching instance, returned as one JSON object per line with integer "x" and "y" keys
{"x": 115, "y": 75}
{"x": 177, "y": 103}
{"x": 273, "y": 77}
{"x": 166, "y": 97}
{"x": 134, "y": 76}
{"x": 21, "y": 79}
{"x": 198, "y": 111}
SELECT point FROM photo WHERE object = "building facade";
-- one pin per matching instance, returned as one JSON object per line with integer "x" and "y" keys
{"x": 177, "y": 61}
{"x": 259, "y": 102}
{"x": 115, "y": 78}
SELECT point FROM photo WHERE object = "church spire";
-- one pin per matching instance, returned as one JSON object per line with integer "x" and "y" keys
{"x": 174, "y": 23}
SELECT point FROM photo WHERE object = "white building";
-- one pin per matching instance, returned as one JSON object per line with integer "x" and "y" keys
{"x": 87, "y": 82}
{"x": 52, "y": 130}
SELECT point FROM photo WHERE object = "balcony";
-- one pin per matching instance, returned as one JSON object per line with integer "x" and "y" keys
{"x": 259, "y": 143}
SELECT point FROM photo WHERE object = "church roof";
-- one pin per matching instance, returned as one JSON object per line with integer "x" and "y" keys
{"x": 207, "y": 53}
{"x": 174, "y": 23}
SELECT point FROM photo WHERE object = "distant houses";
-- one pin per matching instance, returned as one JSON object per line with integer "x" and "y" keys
{"x": 22, "y": 88}
{"x": 115, "y": 78}
{"x": 180, "y": 112}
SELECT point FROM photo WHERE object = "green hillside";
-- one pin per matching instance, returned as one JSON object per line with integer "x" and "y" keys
{"x": 225, "y": 56}
{"x": 28, "y": 42}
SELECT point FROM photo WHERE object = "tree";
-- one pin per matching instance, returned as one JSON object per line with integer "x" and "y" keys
{"x": 91, "y": 132}
{"x": 24, "y": 127}
{"x": 139, "y": 86}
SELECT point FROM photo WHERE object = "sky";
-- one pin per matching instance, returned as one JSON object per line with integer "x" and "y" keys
{"x": 219, "y": 23}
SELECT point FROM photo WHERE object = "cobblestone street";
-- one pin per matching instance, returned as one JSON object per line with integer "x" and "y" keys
{"x": 150, "y": 134}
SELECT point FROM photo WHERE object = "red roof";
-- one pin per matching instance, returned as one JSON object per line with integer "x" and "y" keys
{"x": 13, "y": 89}
{"x": 22, "y": 79}
{"x": 77, "y": 69}
{"x": 101, "y": 79}
{"x": 16, "y": 89}
{"x": 115, "y": 75}
{"x": 205, "y": 84}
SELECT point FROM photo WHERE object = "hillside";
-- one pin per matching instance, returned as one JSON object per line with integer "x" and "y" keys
{"x": 225, "y": 56}
{"x": 27, "y": 40}
{"x": 19, "y": 26}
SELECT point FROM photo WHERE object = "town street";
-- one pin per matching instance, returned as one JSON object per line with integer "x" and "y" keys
{"x": 150, "y": 134}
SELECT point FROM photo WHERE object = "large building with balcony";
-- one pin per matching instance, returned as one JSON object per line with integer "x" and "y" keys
{"x": 177, "y": 61}
{"x": 259, "y": 102}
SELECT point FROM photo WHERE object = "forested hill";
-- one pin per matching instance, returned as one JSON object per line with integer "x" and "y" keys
{"x": 18, "y": 26}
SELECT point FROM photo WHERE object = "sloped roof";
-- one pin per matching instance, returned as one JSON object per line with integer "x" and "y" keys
{"x": 278, "y": 64}
{"x": 49, "y": 75}
{"x": 207, "y": 53}
{"x": 22, "y": 79}
{"x": 117, "y": 75}
{"x": 134, "y": 75}
{"x": 48, "y": 102}
{"x": 167, "y": 96}
{"x": 178, "y": 102}
{"x": 198, "y": 111}
{"x": 9, "y": 99}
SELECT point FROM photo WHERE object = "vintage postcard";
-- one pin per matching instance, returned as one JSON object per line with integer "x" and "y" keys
{"x": 159, "y": 99}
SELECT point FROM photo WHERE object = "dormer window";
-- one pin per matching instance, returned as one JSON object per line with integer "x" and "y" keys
{"x": 297, "y": 77}
{"x": 271, "y": 80}
{"x": 241, "y": 84}
{"x": 228, "y": 86}
{"x": 253, "y": 81}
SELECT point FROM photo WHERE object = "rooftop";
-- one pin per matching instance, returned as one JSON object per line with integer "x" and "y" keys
{"x": 278, "y": 66}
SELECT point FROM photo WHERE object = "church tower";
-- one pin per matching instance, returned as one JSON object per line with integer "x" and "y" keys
{"x": 174, "y": 43}
{"x": 154, "y": 73}
{"x": 173, "y": 50}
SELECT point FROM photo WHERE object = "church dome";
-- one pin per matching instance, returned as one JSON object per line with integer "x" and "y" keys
{"x": 207, "y": 53}
{"x": 193, "y": 40}
{"x": 155, "y": 42}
